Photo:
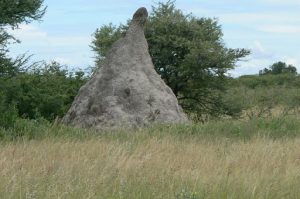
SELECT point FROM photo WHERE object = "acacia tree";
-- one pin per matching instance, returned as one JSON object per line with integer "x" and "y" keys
{"x": 188, "y": 52}
{"x": 13, "y": 13}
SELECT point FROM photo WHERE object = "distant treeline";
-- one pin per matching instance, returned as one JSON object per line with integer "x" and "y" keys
{"x": 47, "y": 91}
{"x": 188, "y": 52}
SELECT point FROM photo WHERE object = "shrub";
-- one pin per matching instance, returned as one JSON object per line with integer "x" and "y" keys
{"x": 8, "y": 115}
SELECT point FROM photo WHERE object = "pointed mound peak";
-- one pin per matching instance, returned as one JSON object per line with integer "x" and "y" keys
{"x": 140, "y": 16}
{"x": 126, "y": 90}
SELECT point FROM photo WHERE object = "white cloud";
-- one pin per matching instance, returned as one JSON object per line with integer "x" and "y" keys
{"x": 31, "y": 33}
{"x": 258, "y": 47}
{"x": 252, "y": 66}
{"x": 66, "y": 49}
{"x": 281, "y": 2}
{"x": 259, "y": 17}
{"x": 69, "y": 40}
{"x": 28, "y": 32}
{"x": 290, "y": 29}
{"x": 247, "y": 17}
{"x": 259, "y": 51}
{"x": 293, "y": 60}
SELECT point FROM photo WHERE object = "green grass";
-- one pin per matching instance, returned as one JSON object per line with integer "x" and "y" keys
{"x": 255, "y": 159}
{"x": 276, "y": 127}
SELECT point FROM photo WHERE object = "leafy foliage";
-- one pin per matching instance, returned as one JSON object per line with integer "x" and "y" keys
{"x": 12, "y": 13}
{"x": 104, "y": 37}
{"x": 279, "y": 68}
{"x": 8, "y": 114}
{"x": 46, "y": 92}
{"x": 188, "y": 52}
{"x": 264, "y": 95}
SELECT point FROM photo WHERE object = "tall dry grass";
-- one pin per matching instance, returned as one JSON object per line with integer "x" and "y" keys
{"x": 152, "y": 167}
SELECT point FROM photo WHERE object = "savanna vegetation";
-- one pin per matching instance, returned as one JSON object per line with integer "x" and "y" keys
{"x": 225, "y": 159}
{"x": 243, "y": 142}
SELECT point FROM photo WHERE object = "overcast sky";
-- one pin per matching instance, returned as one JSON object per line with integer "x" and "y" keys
{"x": 270, "y": 28}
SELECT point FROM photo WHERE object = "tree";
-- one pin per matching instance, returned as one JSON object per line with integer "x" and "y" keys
{"x": 279, "y": 68}
{"x": 188, "y": 52}
{"x": 47, "y": 91}
{"x": 104, "y": 38}
{"x": 13, "y": 13}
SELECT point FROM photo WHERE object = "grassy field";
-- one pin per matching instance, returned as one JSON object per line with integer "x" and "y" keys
{"x": 259, "y": 158}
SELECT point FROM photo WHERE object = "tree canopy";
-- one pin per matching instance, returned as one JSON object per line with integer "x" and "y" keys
{"x": 279, "y": 68}
{"x": 188, "y": 52}
{"x": 13, "y": 13}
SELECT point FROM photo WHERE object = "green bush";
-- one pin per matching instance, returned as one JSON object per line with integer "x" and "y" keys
{"x": 8, "y": 115}
{"x": 46, "y": 91}
{"x": 261, "y": 95}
